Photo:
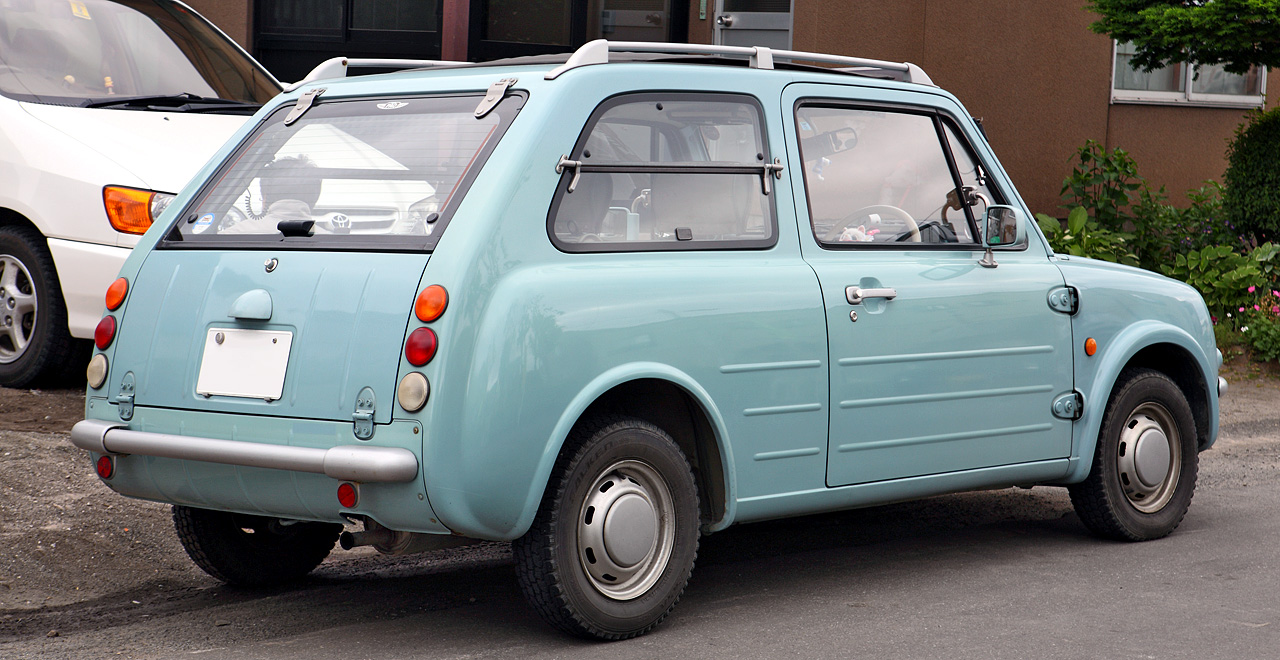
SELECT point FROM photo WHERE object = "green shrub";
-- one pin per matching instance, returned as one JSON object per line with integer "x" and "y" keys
{"x": 1084, "y": 237}
{"x": 1101, "y": 182}
{"x": 1226, "y": 279}
{"x": 1252, "y": 198}
{"x": 1262, "y": 334}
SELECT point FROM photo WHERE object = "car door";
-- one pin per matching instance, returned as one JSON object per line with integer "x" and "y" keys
{"x": 938, "y": 363}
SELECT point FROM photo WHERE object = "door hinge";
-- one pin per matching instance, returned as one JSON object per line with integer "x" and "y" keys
{"x": 1069, "y": 406}
{"x": 1064, "y": 299}
{"x": 303, "y": 104}
{"x": 362, "y": 418}
{"x": 494, "y": 96}
{"x": 125, "y": 398}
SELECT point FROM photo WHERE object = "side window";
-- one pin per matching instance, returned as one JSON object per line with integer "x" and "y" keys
{"x": 877, "y": 176}
{"x": 667, "y": 171}
{"x": 973, "y": 177}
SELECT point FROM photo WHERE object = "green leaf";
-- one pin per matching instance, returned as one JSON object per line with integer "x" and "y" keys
{"x": 1076, "y": 220}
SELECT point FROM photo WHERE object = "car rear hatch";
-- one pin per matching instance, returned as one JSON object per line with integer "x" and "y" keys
{"x": 285, "y": 287}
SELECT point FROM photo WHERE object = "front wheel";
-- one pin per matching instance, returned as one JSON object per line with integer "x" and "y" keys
{"x": 615, "y": 539}
{"x": 34, "y": 341}
{"x": 1144, "y": 467}
{"x": 251, "y": 551}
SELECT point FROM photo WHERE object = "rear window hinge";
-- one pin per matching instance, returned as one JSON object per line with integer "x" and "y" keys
{"x": 303, "y": 104}
{"x": 125, "y": 398}
{"x": 362, "y": 418}
{"x": 494, "y": 96}
{"x": 1064, "y": 299}
{"x": 566, "y": 164}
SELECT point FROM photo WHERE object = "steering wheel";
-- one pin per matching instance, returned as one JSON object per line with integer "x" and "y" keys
{"x": 913, "y": 230}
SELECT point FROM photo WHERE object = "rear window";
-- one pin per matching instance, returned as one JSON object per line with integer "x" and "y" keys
{"x": 379, "y": 172}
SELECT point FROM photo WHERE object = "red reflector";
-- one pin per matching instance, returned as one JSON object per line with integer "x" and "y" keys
{"x": 105, "y": 332}
{"x": 420, "y": 347}
{"x": 106, "y": 467}
{"x": 115, "y": 293}
{"x": 431, "y": 303}
{"x": 347, "y": 495}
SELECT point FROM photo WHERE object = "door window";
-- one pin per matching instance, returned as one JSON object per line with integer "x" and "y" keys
{"x": 880, "y": 177}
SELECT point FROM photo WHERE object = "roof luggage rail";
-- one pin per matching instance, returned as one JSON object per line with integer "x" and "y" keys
{"x": 337, "y": 68}
{"x": 760, "y": 57}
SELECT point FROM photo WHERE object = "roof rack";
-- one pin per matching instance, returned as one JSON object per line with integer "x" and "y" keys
{"x": 597, "y": 52}
{"x": 337, "y": 68}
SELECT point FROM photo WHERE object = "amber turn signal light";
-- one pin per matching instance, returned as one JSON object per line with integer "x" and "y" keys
{"x": 116, "y": 293}
{"x": 128, "y": 209}
{"x": 431, "y": 303}
{"x": 1090, "y": 346}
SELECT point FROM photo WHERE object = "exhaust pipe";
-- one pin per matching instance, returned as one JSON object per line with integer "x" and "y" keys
{"x": 395, "y": 542}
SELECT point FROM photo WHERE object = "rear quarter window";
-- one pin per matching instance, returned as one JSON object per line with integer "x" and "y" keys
{"x": 667, "y": 171}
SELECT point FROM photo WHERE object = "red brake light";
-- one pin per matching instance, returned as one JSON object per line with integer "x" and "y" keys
{"x": 106, "y": 467}
{"x": 116, "y": 293}
{"x": 431, "y": 303}
{"x": 105, "y": 332}
{"x": 420, "y": 347}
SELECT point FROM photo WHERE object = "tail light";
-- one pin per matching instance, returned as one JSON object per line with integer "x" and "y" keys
{"x": 420, "y": 347}
{"x": 131, "y": 210}
{"x": 105, "y": 332}
{"x": 106, "y": 467}
{"x": 116, "y": 293}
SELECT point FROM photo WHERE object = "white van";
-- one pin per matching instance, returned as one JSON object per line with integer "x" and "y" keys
{"x": 107, "y": 108}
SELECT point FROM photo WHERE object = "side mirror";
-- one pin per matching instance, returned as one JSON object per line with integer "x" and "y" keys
{"x": 1002, "y": 227}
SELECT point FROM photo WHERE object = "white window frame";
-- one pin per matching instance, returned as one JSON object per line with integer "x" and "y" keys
{"x": 1187, "y": 97}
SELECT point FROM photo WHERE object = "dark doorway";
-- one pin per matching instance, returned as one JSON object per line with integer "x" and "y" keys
{"x": 510, "y": 28}
{"x": 292, "y": 36}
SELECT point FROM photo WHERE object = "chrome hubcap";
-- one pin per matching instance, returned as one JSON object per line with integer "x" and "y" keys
{"x": 1149, "y": 457}
{"x": 17, "y": 309}
{"x": 626, "y": 530}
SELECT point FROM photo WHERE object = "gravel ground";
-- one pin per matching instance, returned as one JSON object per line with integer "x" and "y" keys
{"x": 76, "y": 558}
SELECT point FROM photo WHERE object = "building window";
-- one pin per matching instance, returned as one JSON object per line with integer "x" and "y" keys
{"x": 1185, "y": 84}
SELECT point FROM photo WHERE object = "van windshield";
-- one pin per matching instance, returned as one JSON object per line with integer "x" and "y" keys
{"x": 382, "y": 172}
{"x": 128, "y": 54}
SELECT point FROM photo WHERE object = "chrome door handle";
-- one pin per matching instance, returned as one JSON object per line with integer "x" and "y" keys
{"x": 725, "y": 20}
{"x": 857, "y": 295}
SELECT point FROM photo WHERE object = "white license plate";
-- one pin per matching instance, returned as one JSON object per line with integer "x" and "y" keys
{"x": 244, "y": 363}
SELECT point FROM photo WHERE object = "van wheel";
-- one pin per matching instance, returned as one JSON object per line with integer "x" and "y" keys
{"x": 251, "y": 551}
{"x": 615, "y": 539}
{"x": 34, "y": 341}
{"x": 1144, "y": 468}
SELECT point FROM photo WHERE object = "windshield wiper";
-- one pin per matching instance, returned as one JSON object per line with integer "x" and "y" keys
{"x": 184, "y": 102}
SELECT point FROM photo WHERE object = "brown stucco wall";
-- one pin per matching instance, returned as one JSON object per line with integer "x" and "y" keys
{"x": 231, "y": 16}
{"x": 1037, "y": 76}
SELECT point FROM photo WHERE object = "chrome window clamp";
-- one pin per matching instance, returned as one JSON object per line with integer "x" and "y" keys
{"x": 303, "y": 105}
{"x": 494, "y": 96}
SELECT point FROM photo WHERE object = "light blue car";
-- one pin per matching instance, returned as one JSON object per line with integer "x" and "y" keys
{"x": 602, "y": 304}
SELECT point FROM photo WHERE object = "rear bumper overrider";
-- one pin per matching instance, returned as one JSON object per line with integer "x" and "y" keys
{"x": 359, "y": 463}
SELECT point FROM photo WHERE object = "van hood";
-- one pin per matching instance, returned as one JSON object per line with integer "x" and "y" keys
{"x": 162, "y": 150}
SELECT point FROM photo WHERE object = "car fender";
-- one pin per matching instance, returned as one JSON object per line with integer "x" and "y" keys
{"x": 593, "y": 391}
{"x": 1111, "y": 361}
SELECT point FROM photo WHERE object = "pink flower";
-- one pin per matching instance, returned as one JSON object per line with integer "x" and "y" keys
{"x": 1256, "y": 308}
{"x": 1275, "y": 293}
{"x": 1242, "y": 309}
{"x": 1275, "y": 309}
{"x": 1252, "y": 289}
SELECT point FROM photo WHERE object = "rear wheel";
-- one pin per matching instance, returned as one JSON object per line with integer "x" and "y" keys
{"x": 252, "y": 551}
{"x": 614, "y": 542}
{"x": 1144, "y": 467}
{"x": 35, "y": 344}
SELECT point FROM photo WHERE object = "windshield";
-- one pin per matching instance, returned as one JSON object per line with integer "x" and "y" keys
{"x": 378, "y": 172}
{"x": 79, "y": 51}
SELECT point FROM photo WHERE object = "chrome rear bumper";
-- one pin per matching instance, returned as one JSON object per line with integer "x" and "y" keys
{"x": 358, "y": 463}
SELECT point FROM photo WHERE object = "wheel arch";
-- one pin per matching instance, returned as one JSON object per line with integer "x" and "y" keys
{"x": 670, "y": 399}
{"x": 1153, "y": 345}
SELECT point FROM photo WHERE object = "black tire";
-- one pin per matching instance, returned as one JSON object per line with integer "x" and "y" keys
{"x": 252, "y": 551}
{"x": 607, "y": 494}
{"x": 1144, "y": 469}
{"x": 35, "y": 345}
